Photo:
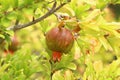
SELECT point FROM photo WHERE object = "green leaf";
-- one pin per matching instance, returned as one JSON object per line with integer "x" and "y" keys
{"x": 116, "y": 34}
{"x": 102, "y": 3}
{"x": 47, "y": 68}
{"x": 71, "y": 66}
{"x": 2, "y": 69}
{"x": 7, "y": 37}
{"x": 28, "y": 2}
{"x": 66, "y": 59}
{"x": 100, "y": 20}
{"x": 12, "y": 15}
{"x": 83, "y": 41}
{"x": 44, "y": 26}
{"x": 20, "y": 77}
{"x": 5, "y": 76}
{"x": 111, "y": 28}
{"x": 66, "y": 1}
{"x": 109, "y": 79}
{"x": 67, "y": 11}
{"x": 9, "y": 32}
{"x": 113, "y": 25}
{"x": 57, "y": 76}
{"x": 19, "y": 15}
{"x": 113, "y": 67}
{"x": 5, "y": 4}
{"x": 80, "y": 9}
{"x": 2, "y": 36}
{"x": 90, "y": 72}
{"x": 28, "y": 11}
{"x": 118, "y": 72}
{"x": 69, "y": 75}
{"x": 93, "y": 27}
{"x": 92, "y": 15}
{"x": 14, "y": 3}
{"x": 105, "y": 43}
{"x": 5, "y": 21}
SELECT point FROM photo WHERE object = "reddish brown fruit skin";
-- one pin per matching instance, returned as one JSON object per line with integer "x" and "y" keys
{"x": 8, "y": 51}
{"x": 59, "y": 39}
{"x": 13, "y": 46}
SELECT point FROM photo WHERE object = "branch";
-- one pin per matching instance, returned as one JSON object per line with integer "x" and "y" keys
{"x": 53, "y": 9}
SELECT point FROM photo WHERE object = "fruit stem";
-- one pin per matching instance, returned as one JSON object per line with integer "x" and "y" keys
{"x": 61, "y": 24}
{"x": 76, "y": 29}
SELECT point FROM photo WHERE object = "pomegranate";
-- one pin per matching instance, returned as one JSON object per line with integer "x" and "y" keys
{"x": 59, "y": 39}
{"x": 13, "y": 46}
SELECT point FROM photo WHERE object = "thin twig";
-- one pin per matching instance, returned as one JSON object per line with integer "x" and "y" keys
{"x": 53, "y": 9}
{"x": 57, "y": 16}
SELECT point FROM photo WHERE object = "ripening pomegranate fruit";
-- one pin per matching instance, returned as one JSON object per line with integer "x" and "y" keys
{"x": 59, "y": 40}
{"x": 13, "y": 46}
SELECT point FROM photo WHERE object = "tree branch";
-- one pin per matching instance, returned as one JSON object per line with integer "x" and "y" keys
{"x": 53, "y": 9}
